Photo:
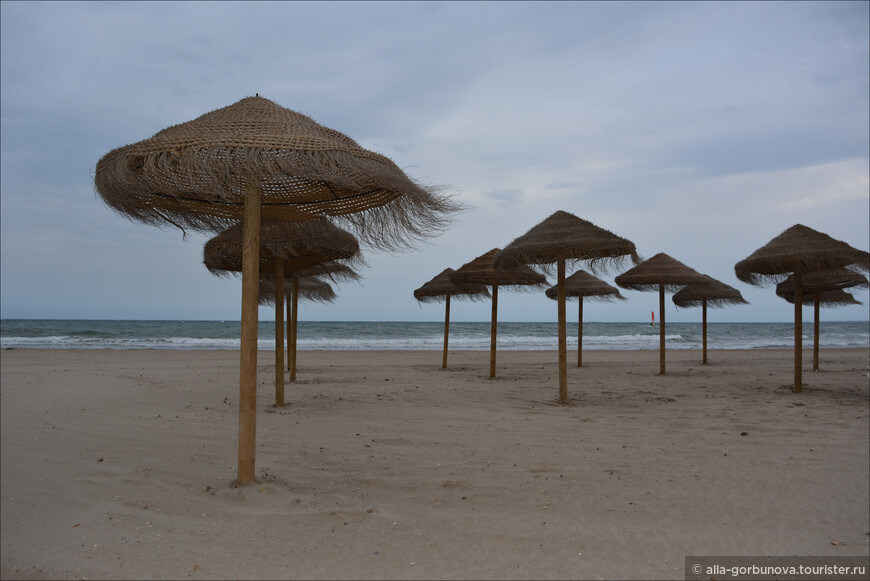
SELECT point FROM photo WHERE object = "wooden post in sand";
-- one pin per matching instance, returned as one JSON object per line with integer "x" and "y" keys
{"x": 816, "y": 297}
{"x": 493, "y": 330}
{"x": 798, "y": 331}
{"x": 446, "y": 331}
{"x": 661, "y": 329}
{"x": 294, "y": 326}
{"x": 563, "y": 340}
{"x": 248, "y": 350}
{"x": 279, "y": 333}
{"x": 580, "y": 334}
{"x": 704, "y": 329}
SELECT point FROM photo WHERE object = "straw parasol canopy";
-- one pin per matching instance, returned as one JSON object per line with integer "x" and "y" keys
{"x": 257, "y": 159}
{"x": 583, "y": 285}
{"x": 662, "y": 273}
{"x": 561, "y": 238}
{"x": 565, "y": 237}
{"x": 823, "y": 289}
{"x": 443, "y": 287}
{"x": 482, "y": 271}
{"x": 799, "y": 250}
{"x": 712, "y": 293}
{"x": 290, "y": 246}
{"x": 197, "y": 175}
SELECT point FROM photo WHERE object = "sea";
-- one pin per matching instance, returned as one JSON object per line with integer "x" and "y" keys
{"x": 392, "y": 335}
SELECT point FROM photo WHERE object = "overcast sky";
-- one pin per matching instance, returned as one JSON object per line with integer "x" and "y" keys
{"x": 702, "y": 130}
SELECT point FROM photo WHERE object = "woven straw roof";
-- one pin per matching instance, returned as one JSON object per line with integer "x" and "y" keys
{"x": 482, "y": 271}
{"x": 442, "y": 286}
{"x": 310, "y": 289}
{"x": 798, "y": 249}
{"x": 194, "y": 174}
{"x": 716, "y": 293}
{"x": 824, "y": 280}
{"x": 660, "y": 270}
{"x": 583, "y": 284}
{"x": 831, "y": 298}
{"x": 299, "y": 245}
{"x": 564, "y": 236}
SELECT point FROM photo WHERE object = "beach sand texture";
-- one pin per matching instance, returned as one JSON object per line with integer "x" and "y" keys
{"x": 120, "y": 464}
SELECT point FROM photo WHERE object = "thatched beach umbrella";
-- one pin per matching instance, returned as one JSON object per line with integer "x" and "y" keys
{"x": 559, "y": 238}
{"x": 285, "y": 248}
{"x": 662, "y": 273}
{"x": 712, "y": 293}
{"x": 255, "y": 158}
{"x": 799, "y": 250}
{"x": 443, "y": 287}
{"x": 582, "y": 285}
{"x": 482, "y": 271}
{"x": 824, "y": 288}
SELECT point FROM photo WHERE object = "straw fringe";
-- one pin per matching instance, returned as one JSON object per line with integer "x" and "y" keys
{"x": 831, "y": 298}
{"x": 334, "y": 270}
{"x": 310, "y": 289}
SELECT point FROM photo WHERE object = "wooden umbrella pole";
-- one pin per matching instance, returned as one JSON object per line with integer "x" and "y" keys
{"x": 563, "y": 340}
{"x": 446, "y": 331}
{"x": 661, "y": 329}
{"x": 816, "y": 302}
{"x": 279, "y": 333}
{"x": 294, "y": 326}
{"x": 798, "y": 331}
{"x": 493, "y": 331}
{"x": 580, "y": 335}
{"x": 288, "y": 322}
{"x": 704, "y": 329}
{"x": 248, "y": 360}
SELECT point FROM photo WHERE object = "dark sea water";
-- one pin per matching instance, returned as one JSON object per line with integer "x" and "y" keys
{"x": 378, "y": 336}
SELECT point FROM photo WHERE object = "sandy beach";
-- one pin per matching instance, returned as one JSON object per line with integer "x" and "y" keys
{"x": 121, "y": 464}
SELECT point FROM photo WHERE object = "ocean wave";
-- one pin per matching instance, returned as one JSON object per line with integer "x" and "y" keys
{"x": 362, "y": 336}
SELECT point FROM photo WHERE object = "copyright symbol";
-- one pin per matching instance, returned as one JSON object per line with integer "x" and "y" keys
{"x": 696, "y": 569}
